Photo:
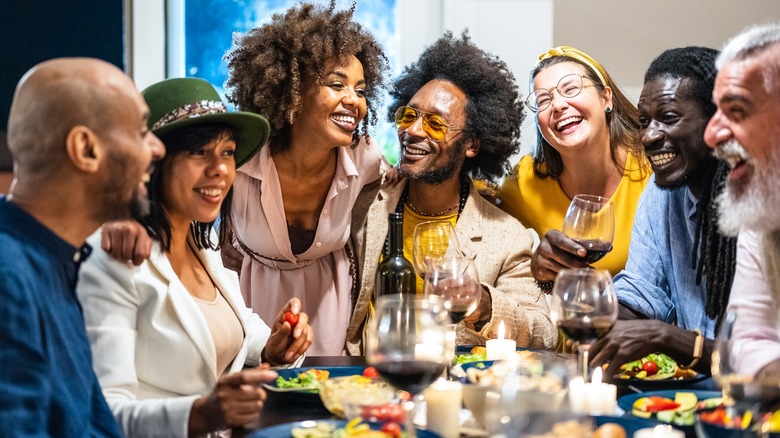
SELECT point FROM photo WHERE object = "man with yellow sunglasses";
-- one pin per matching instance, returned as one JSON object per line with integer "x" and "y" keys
{"x": 458, "y": 114}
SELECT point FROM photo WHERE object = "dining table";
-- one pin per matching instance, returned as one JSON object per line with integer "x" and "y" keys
{"x": 283, "y": 407}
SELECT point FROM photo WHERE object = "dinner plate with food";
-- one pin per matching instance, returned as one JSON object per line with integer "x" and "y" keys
{"x": 336, "y": 429}
{"x": 305, "y": 383}
{"x": 675, "y": 407}
{"x": 656, "y": 371}
{"x": 472, "y": 354}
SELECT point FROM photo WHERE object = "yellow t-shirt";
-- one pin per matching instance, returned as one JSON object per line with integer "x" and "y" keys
{"x": 541, "y": 204}
{"x": 411, "y": 219}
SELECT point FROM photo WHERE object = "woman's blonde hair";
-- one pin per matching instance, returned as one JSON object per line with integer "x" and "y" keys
{"x": 622, "y": 120}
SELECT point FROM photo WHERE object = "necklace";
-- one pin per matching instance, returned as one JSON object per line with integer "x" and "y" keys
{"x": 465, "y": 185}
{"x": 422, "y": 213}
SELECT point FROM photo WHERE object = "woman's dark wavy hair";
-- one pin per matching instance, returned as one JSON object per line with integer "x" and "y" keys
{"x": 177, "y": 142}
{"x": 494, "y": 109}
{"x": 714, "y": 254}
{"x": 269, "y": 65}
{"x": 622, "y": 122}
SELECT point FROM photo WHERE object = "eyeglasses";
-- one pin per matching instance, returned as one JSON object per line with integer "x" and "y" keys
{"x": 434, "y": 125}
{"x": 569, "y": 86}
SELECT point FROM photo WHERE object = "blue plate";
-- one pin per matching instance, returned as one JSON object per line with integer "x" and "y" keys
{"x": 480, "y": 365}
{"x": 310, "y": 395}
{"x": 655, "y": 385}
{"x": 711, "y": 430}
{"x": 285, "y": 430}
{"x": 627, "y": 401}
{"x": 466, "y": 349}
{"x": 630, "y": 424}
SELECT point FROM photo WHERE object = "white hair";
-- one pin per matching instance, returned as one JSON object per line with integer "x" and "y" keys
{"x": 755, "y": 206}
{"x": 748, "y": 42}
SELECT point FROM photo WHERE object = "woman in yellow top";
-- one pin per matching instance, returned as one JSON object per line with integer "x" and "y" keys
{"x": 587, "y": 143}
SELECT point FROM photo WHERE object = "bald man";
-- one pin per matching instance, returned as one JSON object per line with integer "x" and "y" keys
{"x": 78, "y": 135}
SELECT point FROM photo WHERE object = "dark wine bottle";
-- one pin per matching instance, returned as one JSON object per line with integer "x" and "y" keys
{"x": 395, "y": 275}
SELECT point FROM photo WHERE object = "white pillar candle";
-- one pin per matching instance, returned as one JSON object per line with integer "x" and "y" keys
{"x": 659, "y": 431}
{"x": 500, "y": 348}
{"x": 592, "y": 398}
{"x": 443, "y": 400}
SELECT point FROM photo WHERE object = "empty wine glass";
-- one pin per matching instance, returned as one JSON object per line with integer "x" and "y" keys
{"x": 432, "y": 240}
{"x": 584, "y": 306}
{"x": 737, "y": 379}
{"x": 408, "y": 344}
{"x": 456, "y": 281}
{"x": 590, "y": 221}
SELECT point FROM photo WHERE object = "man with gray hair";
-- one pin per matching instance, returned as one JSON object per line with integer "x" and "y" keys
{"x": 745, "y": 132}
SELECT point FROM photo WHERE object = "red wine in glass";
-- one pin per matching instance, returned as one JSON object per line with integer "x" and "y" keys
{"x": 410, "y": 376}
{"x": 596, "y": 249}
{"x": 590, "y": 221}
{"x": 586, "y": 332}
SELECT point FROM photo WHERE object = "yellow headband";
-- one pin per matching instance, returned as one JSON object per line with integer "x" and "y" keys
{"x": 579, "y": 55}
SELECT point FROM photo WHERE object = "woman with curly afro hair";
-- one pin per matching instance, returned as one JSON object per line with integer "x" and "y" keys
{"x": 587, "y": 143}
{"x": 312, "y": 71}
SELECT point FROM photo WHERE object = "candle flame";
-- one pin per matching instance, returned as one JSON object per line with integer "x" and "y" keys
{"x": 596, "y": 379}
{"x": 501, "y": 330}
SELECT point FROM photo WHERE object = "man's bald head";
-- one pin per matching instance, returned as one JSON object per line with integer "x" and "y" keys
{"x": 53, "y": 98}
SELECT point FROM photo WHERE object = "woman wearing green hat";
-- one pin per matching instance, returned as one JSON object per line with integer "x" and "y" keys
{"x": 312, "y": 71}
{"x": 171, "y": 337}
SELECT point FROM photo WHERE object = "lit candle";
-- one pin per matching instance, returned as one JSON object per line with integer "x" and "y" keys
{"x": 594, "y": 397}
{"x": 659, "y": 431}
{"x": 500, "y": 348}
{"x": 443, "y": 400}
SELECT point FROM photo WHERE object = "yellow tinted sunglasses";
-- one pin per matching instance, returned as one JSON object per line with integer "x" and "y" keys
{"x": 434, "y": 125}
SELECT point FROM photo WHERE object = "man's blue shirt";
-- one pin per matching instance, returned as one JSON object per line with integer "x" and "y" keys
{"x": 658, "y": 280}
{"x": 47, "y": 385}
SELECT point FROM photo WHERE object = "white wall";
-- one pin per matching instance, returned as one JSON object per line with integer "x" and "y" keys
{"x": 624, "y": 35}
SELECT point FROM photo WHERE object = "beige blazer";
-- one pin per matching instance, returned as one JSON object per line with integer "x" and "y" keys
{"x": 152, "y": 349}
{"x": 501, "y": 247}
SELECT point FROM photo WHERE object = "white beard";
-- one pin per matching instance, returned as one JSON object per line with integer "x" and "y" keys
{"x": 755, "y": 207}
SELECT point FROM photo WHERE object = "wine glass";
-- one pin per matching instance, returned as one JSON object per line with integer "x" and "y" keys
{"x": 737, "y": 378}
{"x": 408, "y": 344}
{"x": 590, "y": 221}
{"x": 456, "y": 281}
{"x": 432, "y": 240}
{"x": 584, "y": 306}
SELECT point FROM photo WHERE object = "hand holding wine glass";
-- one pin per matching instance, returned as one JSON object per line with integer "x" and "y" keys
{"x": 584, "y": 306}
{"x": 432, "y": 241}
{"x": 586, "y": 237}
{"x": 408, "y": 344}
{"x": 590, "y": 221}
{"x": 456, "y": 281}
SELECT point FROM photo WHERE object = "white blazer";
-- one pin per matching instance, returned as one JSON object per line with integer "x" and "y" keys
{"x": 152, "y": 348}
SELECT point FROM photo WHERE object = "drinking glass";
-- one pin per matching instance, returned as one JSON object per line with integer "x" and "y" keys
{"x": 584, "y": 306}
{"x": 432, "y": 240}
{"x": 748, "y": 391}
{"x": 408, "y": 344}
{"x": 590, "y": 221}
{"x": 456, "y": 281}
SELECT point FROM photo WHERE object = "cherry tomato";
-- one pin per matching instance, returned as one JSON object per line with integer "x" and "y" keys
{"x": 650, "y": 367}
{"x": 291, "y": 318}
{"x": 392, "y": 429}
{"x": 370, "y": 372}
{"x": 658, "y": 404}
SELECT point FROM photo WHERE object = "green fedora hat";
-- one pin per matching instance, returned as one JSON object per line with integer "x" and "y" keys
{"x": 181, "y": 102}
